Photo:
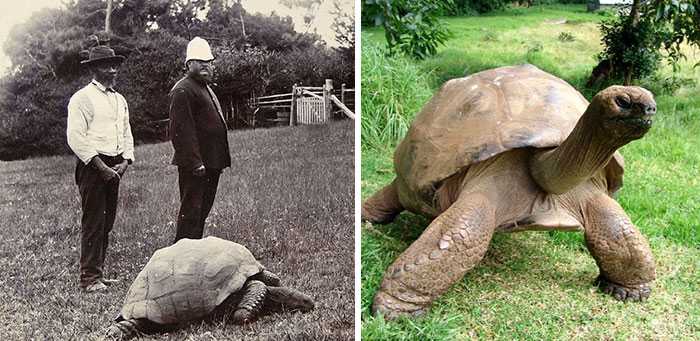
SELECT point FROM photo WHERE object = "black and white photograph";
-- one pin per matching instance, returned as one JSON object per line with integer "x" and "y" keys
{"x": 177, "y": 170}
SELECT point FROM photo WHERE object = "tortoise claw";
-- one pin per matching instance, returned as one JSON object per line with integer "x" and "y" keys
{"x": 243, "y": 316}
{"x": 392, "y": 308}
{"x": 623, "y": 293}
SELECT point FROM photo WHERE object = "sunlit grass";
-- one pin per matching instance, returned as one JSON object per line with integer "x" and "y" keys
{"x": 538, "y": 285}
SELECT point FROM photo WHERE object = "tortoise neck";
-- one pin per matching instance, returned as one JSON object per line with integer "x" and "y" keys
{"x": 584, "y": 152}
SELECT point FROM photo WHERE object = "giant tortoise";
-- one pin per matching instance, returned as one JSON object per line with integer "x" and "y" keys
{"x": 190, "y": 278}
{"x": 512, "y": 149}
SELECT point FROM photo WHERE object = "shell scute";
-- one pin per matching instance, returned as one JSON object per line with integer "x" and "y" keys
{"x": 189, "y": 279}
{"x": 477, "y": 117}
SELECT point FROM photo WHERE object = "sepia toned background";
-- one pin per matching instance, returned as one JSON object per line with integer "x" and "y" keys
{"x": 288, "y": 197}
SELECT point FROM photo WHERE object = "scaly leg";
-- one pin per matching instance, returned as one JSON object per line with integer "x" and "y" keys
{"x": 253, "y": 295}
{"x": 382, "y": 207}
{"x": 451, "y": 245}
{"x": 127, "y": 329}
{"x": 268, "y": 277}
{"x": 620, "y": 250}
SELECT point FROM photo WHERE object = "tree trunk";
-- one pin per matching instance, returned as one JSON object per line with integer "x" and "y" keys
{"x": 108, "y": 16}
{"x": 240, "y": 14}
{"x": 634, "y": 22}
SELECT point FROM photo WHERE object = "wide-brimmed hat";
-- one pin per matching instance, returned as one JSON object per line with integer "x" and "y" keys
{"x": 102, "y": 53}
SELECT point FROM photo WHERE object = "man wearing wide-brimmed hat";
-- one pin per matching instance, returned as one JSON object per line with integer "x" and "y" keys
{"x": 198, "y": 133}
{"x": 100, "y": 136}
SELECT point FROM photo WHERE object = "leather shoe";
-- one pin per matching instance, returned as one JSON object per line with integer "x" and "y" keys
{"x": 95, "y": 287}
{"x": 109, "y": 281}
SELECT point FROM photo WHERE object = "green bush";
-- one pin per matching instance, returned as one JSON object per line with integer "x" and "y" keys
{"x": 660, "y": 84}
{"x": 566, "y": 37}
{"x": 469, "y": 7}
{"x": 393, "y": 91}
{"x": 630, "y": 48}
{"x": 411, "y": 26}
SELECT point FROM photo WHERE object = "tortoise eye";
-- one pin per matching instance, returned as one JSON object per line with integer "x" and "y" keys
{"x": 623, "y": 102}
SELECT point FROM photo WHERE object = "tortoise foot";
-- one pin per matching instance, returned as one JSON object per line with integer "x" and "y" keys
{"x": 621, "y": 292}
{"x": 392, "y": 308}
{"x": 382, "y": 207}
{"x": 373, "y": 215}
{"x": 122, "y": 330}
{"x": 243, "y": 316}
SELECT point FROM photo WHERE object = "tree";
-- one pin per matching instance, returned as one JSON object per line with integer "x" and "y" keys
{"x": 635, "y": 38}
{"x": 257, "y": 54}
{"x": 311, "y": 7}
{"x": 344, "y": 27}
{"x": 410, "y": 26}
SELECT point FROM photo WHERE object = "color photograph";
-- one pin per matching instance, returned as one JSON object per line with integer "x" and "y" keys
{"x": 572, "y": 123}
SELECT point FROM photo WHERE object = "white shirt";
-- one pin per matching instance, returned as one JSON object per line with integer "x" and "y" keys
{"x": 98, "y": 123}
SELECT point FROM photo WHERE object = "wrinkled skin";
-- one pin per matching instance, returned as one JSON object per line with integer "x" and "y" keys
{"x": 564, "y": 188}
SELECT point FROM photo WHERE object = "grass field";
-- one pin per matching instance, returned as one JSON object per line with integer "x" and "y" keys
{"x": 288, "y": 197}
{"x": 538, "y": 285}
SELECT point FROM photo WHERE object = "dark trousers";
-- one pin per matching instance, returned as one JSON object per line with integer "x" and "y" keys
{"x": 196, "y": 199}
{"x": 99, "y": 204}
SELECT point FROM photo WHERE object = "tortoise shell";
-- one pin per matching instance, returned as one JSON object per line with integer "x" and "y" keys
{"x": 474, "y": 118}
{"x": 188, "y": 280}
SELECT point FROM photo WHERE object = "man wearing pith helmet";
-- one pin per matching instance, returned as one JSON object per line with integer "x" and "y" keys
{"x": 198, "y": 134}
{"x": 99, "y": 134}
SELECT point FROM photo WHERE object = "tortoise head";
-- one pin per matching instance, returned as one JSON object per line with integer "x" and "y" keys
{"x": 625, "y": 113}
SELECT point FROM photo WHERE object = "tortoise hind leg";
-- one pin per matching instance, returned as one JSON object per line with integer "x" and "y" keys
{"x": 127, "y": 329}
{"x": 451, "y": 245}
{"x": 383, "y": 206}
{"x": 247, "y": 309}
{"x": 620, "y": 250}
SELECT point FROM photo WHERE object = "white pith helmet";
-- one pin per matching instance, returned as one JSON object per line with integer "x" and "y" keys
{"x": 199, "y": 49}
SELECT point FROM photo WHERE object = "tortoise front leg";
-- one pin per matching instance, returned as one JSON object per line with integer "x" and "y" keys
{"x": 268, "y": 277}
{"x": 253, "y": 295}
{"x": 620, "y": 250}
{"x": 451, "y": 245}
{"x": 382, "y": 207}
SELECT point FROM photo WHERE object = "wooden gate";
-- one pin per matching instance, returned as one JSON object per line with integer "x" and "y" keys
{"x": 305, "y": 104}
{"x": 311, "y": 110}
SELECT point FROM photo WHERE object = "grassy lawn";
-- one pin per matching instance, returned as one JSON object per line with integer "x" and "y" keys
{"x": 288, "y": 197}
{"x": 538, "y": 285}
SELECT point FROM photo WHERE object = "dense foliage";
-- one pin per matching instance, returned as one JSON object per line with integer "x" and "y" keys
{"x": 627, "y": 47}
{"x": 410, "y": 26}
{"x": 256, "y": 55}
{"x": 471, "y": 7}
{"x": 477, "y": 7}
{"x": 634, "y": 39}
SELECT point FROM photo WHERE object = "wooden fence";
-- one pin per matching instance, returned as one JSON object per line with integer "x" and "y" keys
{"x": 306, "y": 104}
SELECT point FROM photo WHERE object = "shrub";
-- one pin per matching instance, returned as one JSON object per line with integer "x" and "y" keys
{"x": 566, "y": 37}
{"x": 411, "y": 26}
{"x": 629, "y": 48}
{"x": 468, "y": 7}
{"x": 146, "y": 78}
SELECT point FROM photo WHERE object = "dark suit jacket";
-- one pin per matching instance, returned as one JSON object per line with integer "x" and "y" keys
{"x": 197, "y": 129}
